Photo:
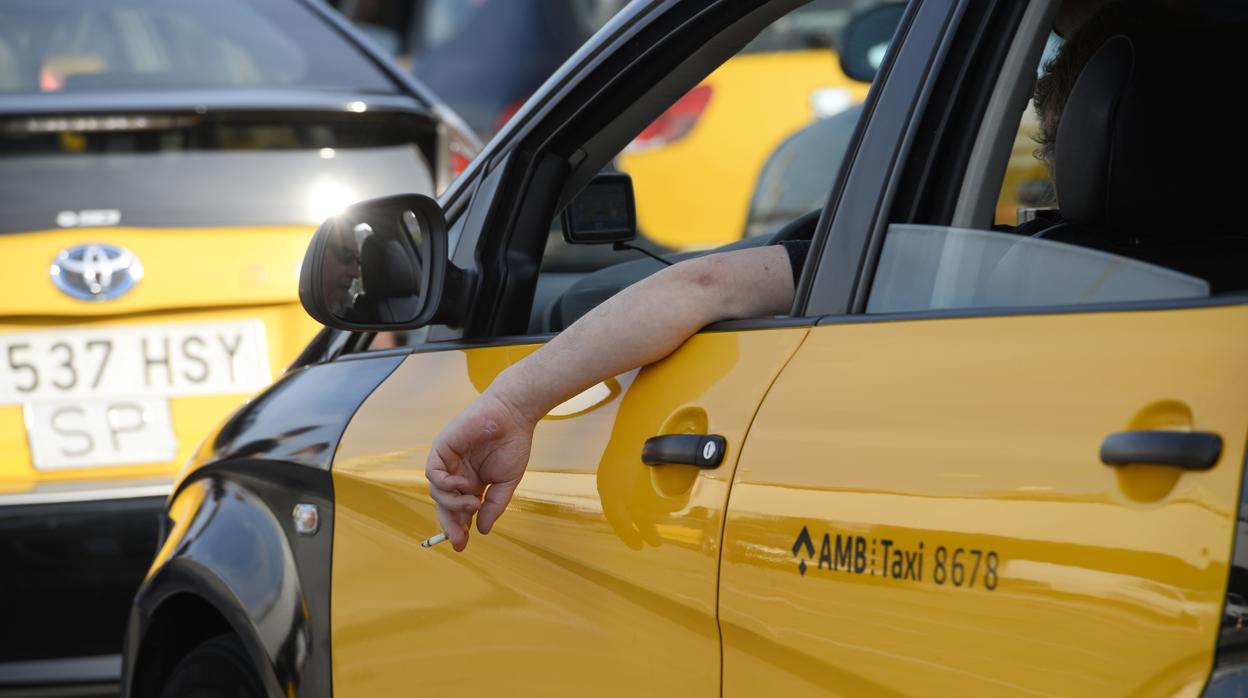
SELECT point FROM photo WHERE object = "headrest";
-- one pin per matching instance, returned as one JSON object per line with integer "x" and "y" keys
{"x": 1152, "y": 139}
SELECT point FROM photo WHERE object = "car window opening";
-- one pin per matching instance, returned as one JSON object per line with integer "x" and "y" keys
{"x": 1095, "y": 212}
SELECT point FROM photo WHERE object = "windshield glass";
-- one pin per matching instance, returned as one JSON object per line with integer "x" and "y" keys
{"x": 73, "y": 46}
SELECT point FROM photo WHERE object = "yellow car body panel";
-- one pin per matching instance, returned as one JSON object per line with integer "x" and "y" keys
{"x": 193, "y": 275}
{"x": 183, "y": 268}
{"x": 983, "y": 434}
{"x": 695, "y": 192}
{"x": 603, "y": 571}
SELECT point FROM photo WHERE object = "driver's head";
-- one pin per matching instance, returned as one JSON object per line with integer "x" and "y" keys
{"x": 1085, "y": 25}
{"x": 340, "y": 269}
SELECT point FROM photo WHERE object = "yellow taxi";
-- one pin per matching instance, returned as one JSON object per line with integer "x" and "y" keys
{"x": 971, "y": 460}
{"x": 162, "y": 167}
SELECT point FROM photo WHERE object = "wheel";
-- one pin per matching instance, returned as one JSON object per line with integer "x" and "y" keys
{"x": 218, "y": 667}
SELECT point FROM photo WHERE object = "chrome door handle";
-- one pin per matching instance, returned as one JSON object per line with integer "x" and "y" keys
{"x": 1194, "y": 450}
{"x": 702, "y": 450}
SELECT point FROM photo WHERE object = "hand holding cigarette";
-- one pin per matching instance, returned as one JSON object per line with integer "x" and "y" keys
{"x": 475, "y": 465}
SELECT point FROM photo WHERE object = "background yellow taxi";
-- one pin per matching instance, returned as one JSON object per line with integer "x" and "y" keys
{"x": 161, "y": 168}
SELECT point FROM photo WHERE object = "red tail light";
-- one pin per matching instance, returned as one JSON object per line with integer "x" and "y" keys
{"x": 676, "y": 122}
{"x": 460, "y": 157}
{"x": 458, "y": 150}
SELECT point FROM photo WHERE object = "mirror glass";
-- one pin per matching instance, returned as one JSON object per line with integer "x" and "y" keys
{"x": 603, "y": 212}
{"x": 376, "y": 262}
{"x": 866, "y": 38}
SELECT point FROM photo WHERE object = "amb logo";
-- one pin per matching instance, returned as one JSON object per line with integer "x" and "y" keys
{"x": 848, "y": 553}
{"x": 803, "y": 541}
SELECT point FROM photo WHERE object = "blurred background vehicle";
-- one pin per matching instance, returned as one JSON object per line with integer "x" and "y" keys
{"x": 485, "y": 57}
{"x": 162, "y": 166}
{"x": 795, "y": 180}
{"x": 754, "y": 125}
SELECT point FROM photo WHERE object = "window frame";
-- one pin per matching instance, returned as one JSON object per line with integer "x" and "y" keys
{"x": 970, "y": 188}
{"x": 857, "y": 209}
{"x": 574, "y": 113}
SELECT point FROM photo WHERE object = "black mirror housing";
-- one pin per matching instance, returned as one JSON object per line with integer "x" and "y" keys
{"x": 382, "y": 265}
{"x": 865, "y": 39}
{"x": 604, "y": 212}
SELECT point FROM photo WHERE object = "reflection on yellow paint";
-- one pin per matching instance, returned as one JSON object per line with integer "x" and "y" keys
{"x": 588, "y": 399}
{"x": 631, "y": 502}
{"x": 181, "y": 512}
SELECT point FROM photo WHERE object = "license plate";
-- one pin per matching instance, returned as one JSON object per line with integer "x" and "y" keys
{"x": 100, "y": 432}
{"x": 136, "y": 361}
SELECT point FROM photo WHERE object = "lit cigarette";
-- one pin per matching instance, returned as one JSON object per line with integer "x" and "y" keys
{"x": 433, "y": 540}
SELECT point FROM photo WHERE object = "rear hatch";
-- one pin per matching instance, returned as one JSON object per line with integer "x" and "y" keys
{"x": 150, "y": 286}
{"x": 162, "y": 166}
{"x": 152, "y": 270}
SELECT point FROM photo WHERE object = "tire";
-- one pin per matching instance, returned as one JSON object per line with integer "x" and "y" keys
{"x": 217, "y": 668}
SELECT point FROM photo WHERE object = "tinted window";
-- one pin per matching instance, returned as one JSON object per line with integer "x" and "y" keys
{"x": 1120, "y": 209}
{"x": 214, "y": 169}
{"x": 70, "y": 46}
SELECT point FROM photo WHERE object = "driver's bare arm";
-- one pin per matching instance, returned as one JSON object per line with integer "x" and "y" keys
{"x": 476, "y": 461}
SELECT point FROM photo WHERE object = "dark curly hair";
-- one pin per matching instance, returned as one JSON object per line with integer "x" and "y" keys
{"x": 1138, "y": 18}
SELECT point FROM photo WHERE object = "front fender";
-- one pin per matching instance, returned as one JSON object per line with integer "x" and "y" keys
{"x": 232, "y": 545}
{"x": 231, "y": 560}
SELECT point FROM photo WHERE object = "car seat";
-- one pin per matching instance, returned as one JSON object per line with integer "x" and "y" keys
{"x": 1151, "y": 154}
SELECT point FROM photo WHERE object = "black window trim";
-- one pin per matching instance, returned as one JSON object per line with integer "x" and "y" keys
{"x": 859, "y": 204}
{"x": 1229, "y": 300}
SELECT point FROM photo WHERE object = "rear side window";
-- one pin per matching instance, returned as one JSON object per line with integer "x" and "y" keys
{"x": 69, "y": 46}
{"x": 1094, "y": 209}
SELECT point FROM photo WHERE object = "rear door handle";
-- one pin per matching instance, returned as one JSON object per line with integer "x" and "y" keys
{"x": 702, "y": 450}
{"x": 1195, "y": 450}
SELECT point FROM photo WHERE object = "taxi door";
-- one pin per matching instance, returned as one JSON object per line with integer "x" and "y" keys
{"x": 990, "y": 469}
{"x": 603, "y": 571}
{"x": 922, "y": 509}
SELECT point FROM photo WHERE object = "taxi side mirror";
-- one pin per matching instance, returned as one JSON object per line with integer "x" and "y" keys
{"x": 866, "y": 38}
{"x": 604, "y": 212}
{"x": 382, "y": 265}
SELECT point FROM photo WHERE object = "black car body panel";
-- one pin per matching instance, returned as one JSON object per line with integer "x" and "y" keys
{"x": 231, "y": 560}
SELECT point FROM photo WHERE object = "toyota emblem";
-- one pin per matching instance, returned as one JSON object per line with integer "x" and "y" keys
{"x": 95, "y": 271}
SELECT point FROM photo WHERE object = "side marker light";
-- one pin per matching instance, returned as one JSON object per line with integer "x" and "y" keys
{"x": 307, "y": 519}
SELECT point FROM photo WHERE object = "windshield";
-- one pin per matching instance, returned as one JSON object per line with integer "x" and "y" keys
{"x": 74, "y": 46}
